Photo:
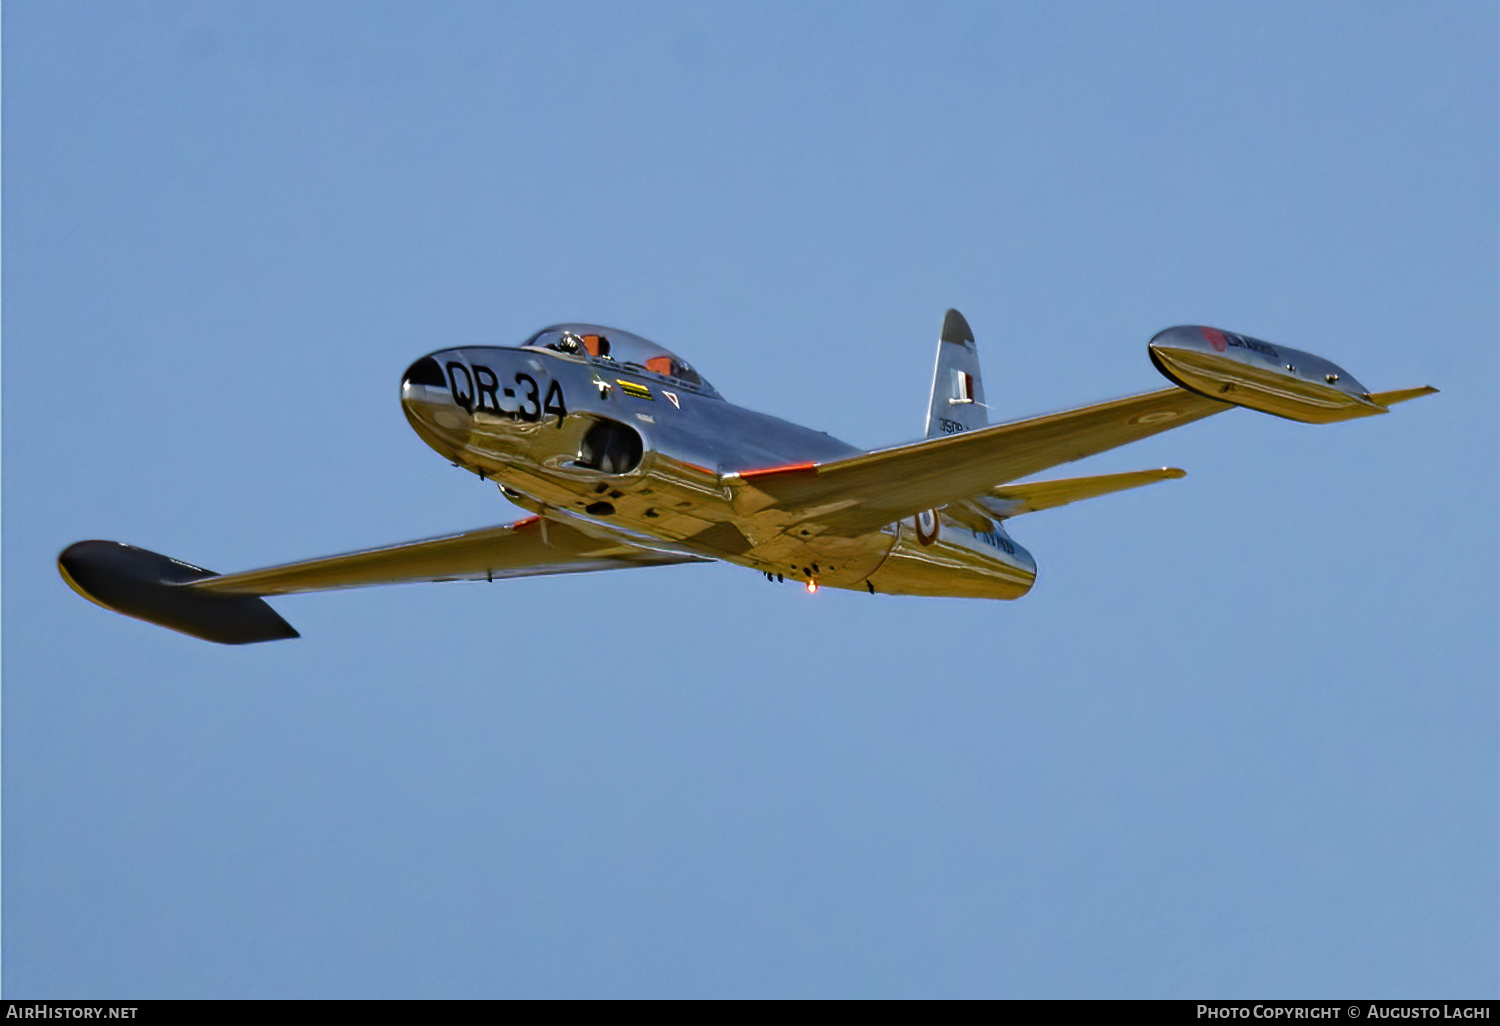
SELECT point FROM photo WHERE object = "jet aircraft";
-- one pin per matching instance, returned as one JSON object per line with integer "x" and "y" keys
{"x": 626, "y": 456}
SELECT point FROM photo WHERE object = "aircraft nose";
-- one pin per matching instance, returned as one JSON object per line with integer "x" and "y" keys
{"x": 424, "y": 372}
{"x": 429, "y": 402}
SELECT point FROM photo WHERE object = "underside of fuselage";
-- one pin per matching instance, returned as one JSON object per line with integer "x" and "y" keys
{"x": 627, "y": 451}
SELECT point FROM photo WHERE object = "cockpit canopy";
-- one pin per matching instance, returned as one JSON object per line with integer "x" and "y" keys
{"x": 596, "y": 343}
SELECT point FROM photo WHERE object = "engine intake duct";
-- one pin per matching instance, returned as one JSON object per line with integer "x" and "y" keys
{"x": 610, "y": 447}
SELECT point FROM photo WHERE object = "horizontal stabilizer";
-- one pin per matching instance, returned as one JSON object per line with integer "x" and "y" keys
{"x": 150, "y": 587}
{"x": 1014, "y": 499}
{"x": 1401, "y": 395}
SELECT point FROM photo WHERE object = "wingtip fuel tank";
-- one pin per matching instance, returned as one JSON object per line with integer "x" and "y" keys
{"x": 156, "y": 588}
{"x": 1237, "y": 369}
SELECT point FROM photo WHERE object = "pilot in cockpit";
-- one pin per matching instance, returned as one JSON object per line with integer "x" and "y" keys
{"x": 596, "y": 346}
{"x": 568, "y": 343}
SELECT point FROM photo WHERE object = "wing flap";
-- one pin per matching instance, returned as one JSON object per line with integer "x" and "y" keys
{"x": 877, "y": 488}
{"x": 527, "y": 548}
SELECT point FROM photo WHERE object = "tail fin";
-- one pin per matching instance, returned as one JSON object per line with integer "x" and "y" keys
{"x": 957, "y": 393}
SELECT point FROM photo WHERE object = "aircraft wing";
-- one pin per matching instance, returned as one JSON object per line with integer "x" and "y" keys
{"x": 528, "y": 548}
{"x": 227, "y": 607}
{"x": 864, "y": 493}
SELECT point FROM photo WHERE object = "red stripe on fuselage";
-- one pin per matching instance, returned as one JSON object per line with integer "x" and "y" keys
{"x": 790, "y": 468}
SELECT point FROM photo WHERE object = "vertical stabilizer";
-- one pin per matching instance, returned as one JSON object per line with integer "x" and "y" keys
{"x": 957, "y": 393}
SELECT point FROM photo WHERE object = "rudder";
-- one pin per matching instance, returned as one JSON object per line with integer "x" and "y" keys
{"x": 957, "y": 391}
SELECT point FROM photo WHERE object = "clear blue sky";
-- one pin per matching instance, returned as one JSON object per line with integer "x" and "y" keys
{"x": 1240, "y": 741}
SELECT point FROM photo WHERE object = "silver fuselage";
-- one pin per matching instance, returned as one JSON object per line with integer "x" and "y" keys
{"x": 620, "y": 451}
